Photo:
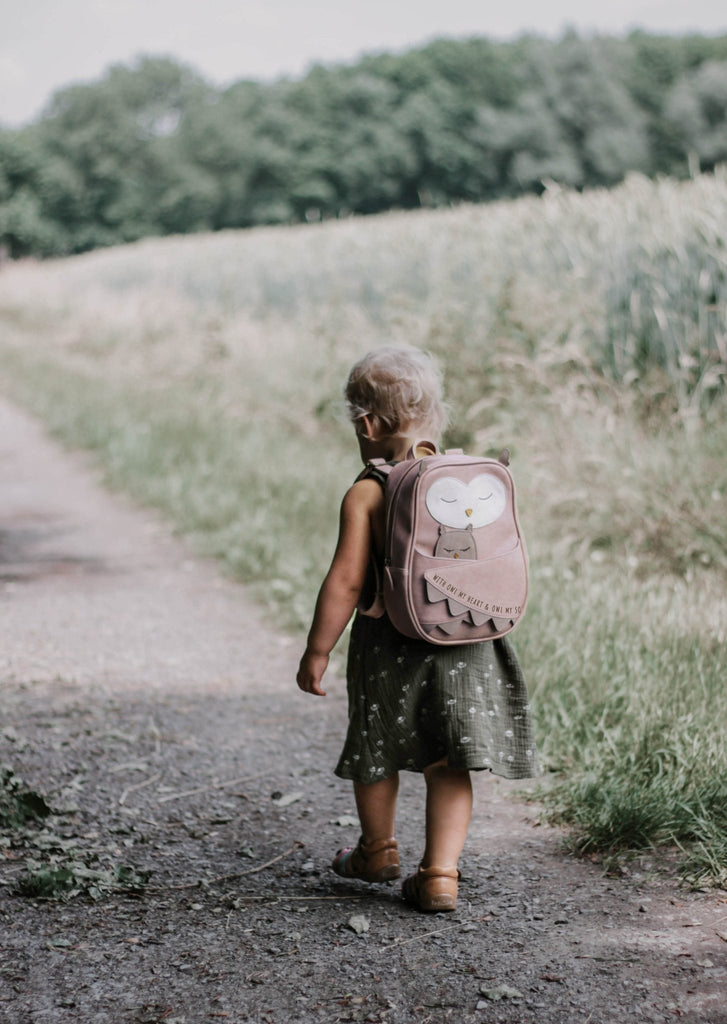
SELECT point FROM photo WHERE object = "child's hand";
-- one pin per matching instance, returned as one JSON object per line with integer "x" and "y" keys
{"x": 310, "y": 673}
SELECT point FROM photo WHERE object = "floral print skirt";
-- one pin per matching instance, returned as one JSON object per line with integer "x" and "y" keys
{"x": 412, "y": 704}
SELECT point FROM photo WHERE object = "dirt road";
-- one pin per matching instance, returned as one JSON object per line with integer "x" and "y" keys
{"x": 155, "y": 706}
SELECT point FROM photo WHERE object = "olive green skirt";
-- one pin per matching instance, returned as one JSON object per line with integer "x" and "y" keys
{"x": 412, "y": 704}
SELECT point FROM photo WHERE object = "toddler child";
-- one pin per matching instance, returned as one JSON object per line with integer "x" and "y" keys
{"x": 442, "y": 711}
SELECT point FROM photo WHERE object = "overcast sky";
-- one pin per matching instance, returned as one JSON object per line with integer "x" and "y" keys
{"x": 46, "y": 44}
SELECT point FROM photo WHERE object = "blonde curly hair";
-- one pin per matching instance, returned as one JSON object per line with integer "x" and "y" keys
{"x": 400, "y": 389}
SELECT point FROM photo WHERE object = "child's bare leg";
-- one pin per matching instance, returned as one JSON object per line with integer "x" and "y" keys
{"x": 376, "y": 805}
{"x": 449, "y": 809}
{"x": 376, "y": 856}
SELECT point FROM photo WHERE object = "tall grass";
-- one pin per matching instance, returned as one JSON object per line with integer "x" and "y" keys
{"x": 628, "y": 676}
{"x": 586, "y": 332}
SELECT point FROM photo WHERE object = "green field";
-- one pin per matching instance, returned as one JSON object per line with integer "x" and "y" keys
{"x": 588, "y": 333}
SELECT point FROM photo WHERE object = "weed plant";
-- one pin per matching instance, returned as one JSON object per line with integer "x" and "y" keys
{"x": 585, "y": 332}
{"x": 56, "y": 865}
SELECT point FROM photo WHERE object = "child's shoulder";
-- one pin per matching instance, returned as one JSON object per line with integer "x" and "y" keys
{"x": 364, "y": 489}
{"x": 364, "y": 495}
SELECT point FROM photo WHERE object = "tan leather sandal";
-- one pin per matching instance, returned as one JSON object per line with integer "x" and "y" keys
{"x": 432, "y": 889}
{"x": 372, "y": 862}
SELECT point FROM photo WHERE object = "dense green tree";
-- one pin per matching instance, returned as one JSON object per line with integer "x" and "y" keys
{"x": 697, "y": 107}
{"x": 653, "y": 67}
{"x": 536, "y": 149}
{"x": 366, "y": 157}
{"x": 153, "y": 149}
{"x": 215, "y": 141}
{"x": 582, "y": 83}
{"x": 25, "y": 182}
{"x": 107, "y": 132}
{"x": 23, "y": 228}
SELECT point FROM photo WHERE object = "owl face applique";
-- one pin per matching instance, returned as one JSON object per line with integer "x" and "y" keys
{"x": 457, "y": 504}
{"x": 455, "y": 543}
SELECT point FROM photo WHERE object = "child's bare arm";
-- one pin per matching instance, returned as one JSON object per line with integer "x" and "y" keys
{"x": 342, "y": 586}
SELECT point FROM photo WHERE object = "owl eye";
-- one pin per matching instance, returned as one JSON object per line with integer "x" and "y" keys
{"x": 449, "y": 501}
{"x": 486, "y": 497}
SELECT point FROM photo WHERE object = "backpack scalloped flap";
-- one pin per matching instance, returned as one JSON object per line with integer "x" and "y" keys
{"x": 455, "y": 567}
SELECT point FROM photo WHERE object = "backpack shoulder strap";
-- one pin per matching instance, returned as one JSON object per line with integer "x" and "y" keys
{"x": 376, "y": 469}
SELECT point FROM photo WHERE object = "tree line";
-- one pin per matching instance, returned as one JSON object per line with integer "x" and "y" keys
{"x": 154, "y": 149}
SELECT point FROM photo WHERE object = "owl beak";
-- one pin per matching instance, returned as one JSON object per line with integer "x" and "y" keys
{"x": 468, "y": 512}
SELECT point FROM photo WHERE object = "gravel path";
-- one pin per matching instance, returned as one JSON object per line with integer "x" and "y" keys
{"x": 155, "y": 707}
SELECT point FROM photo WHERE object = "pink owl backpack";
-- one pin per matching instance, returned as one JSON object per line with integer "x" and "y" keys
{"x": 455, "y": 562}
